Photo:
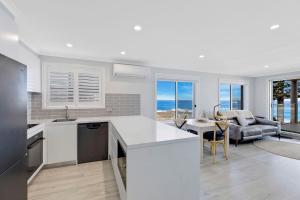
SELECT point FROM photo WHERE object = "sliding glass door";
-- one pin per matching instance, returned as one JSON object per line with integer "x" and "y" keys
{"x": 174, "y": 99}
{"x": 166, "y": 100}
{"x": 185, "y": 99}
{"x": 285, "y": 104}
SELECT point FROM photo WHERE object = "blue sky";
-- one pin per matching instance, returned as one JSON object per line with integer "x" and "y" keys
{"x": 225, "y": 92}
{"x": 166, "y": 90}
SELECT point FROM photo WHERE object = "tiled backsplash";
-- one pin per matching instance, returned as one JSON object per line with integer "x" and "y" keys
{"x": 29, "y": 106}
{"x": 120, "y": 104}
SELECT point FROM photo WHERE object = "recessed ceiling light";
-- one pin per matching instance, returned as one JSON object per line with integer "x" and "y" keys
{"x": 266, "y": 66}
{"x": 275, "y": 26}
{"x": 69, "y": 45}
{"x": 202, "y": 56}
{"x": 137, "y": 28}
{"x": 122, "y": 52}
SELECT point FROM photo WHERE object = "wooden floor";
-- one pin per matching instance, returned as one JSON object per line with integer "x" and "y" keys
{"x": 91, "y": 181}
{"x": 251, "y": 173}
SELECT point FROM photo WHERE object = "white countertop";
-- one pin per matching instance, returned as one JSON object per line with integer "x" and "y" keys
{"x": 138, "y": 131}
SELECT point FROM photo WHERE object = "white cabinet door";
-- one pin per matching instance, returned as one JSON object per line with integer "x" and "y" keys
{"x": 61, "y": 143}
{"x": 32, "y": 61}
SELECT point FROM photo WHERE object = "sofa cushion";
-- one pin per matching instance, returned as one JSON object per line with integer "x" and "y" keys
{"x": 266, "y": 128}
{"x": 251, "y": 121}
{"x": 251, "y": 131}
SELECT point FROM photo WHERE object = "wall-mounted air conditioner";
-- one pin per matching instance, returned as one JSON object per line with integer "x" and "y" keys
{"x": 121, "y": 70}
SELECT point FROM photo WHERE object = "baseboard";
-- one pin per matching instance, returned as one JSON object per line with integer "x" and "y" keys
{"x": 62, "y": 164}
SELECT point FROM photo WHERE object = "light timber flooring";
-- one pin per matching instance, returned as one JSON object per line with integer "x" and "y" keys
{"x": 249, "y": 174}
{"x": 90, "y": 181}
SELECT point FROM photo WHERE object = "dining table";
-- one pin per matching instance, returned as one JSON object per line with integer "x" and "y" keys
{"x": 201, "y": 127}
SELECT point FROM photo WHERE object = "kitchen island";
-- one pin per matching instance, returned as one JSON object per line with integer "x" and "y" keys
{"x": 151, "y": 160}
{"x": 162, "y": 162}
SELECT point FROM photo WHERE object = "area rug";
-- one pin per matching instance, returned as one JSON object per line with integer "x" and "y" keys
{"x": 286, "y": 149}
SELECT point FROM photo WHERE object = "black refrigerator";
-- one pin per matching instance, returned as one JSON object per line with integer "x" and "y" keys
{"x": 13, "y": 132}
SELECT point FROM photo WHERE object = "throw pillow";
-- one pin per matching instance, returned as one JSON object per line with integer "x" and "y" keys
{"x": 242, "y": 120}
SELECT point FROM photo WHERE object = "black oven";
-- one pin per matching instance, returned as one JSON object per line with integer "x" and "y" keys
{"x": 35, "y": 153}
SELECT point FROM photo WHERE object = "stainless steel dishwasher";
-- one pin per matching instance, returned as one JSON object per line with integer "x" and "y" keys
{"x": 92, "y": 142}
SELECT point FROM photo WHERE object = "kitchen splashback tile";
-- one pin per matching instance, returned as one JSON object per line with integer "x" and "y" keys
{"x": 121, "y": 104}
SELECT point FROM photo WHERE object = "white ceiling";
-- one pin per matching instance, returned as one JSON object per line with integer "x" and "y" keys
{"x": 234, "y": 35}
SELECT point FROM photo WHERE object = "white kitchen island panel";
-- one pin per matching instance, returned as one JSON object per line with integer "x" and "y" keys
{"x": 162, "y": 162}
{"x": 170, "y": 171}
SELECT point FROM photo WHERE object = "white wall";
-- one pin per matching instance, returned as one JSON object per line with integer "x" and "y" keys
{"x": 261, "y": 92}
{"x": 208, "y": 84}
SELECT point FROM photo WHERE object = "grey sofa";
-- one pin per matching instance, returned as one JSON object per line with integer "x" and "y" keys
{"x": 254, "y": 127}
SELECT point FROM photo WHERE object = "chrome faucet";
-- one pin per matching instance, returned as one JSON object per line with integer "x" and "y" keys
{"x": 67, "y": 112}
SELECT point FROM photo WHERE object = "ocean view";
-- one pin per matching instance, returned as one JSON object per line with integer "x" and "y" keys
{"x": 167, "y": 105}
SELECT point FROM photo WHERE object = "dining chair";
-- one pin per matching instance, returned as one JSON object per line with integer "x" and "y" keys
{"x": 218, "y": 136}
{"x": 181, "y": 120}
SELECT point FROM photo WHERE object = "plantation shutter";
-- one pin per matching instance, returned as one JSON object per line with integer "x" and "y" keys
{"x": 89, "y": 88}
{"x": 61, "y": 88}
{"x": 77, "y": 86}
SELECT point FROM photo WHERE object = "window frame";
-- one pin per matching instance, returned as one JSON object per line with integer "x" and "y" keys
{"x": 242, "y": 86}
{"x": 176, "y": 95}
{"x": 75, "y": 69}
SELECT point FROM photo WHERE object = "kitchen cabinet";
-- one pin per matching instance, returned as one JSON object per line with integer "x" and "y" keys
{"x": 32, "y": 61}
{"x": 61, "y": 142}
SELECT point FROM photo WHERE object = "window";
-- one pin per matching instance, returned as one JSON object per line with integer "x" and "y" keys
{"x": 174, "y": 99}
{"x": 74, "y": 86}
{"x": 231, "y": 96}
{"x": 61, "y": 87}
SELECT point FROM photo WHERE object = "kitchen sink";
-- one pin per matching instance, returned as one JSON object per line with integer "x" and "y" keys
{"x": 64, "y": 120}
